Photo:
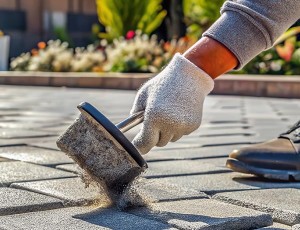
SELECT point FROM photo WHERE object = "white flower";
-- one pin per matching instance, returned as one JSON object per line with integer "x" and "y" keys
{"x": 275, "y": 66}
{"x": 141, "y": 47}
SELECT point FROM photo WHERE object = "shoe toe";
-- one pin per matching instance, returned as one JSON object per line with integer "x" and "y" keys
{"x": 245, "y": 155}
{"x": 275, "y": 154}
{"x": 235, "y": 154}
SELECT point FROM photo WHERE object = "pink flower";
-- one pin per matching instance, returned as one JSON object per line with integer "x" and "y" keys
{"x": 130, "y": 34}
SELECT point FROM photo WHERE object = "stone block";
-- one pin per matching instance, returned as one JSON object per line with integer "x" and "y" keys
{"x": 11, "y": 172}
{"x": 144, "y": 192}
{"x": 209, "y": 132}
{"x": 218, "y": 161}
{"x": 296, "y": 227}
{"x": 181, "y": 168}
{"x": 19, "y": 201}
{"x": 225, "y": 182}
{"x": 48, "y": 144}
{"x": 74, "y": 168}
{"x": 190, "y": 143}
{"x": 35, "y": 155}
{"x": 9, "y": 142}
{"x": 4, "y": 159}
{"x": 79, "y": 218}
{"x": 277, "y": 226}
{"x": 204, "y": 214}
{"x": 213, "y": 141}
{"x": 71, "y": 190}
{"x": 283, "y": 208}
{"x": 191, "y": 153}
{"x": 21, "y": 133}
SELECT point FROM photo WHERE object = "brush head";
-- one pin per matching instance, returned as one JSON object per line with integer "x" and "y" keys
{"x": 101, "y": 149}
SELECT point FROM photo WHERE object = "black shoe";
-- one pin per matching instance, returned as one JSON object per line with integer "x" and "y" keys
{"x": 275, "y": 159}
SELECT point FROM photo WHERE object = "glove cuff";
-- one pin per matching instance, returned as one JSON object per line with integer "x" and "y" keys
{"x": 182, "y": 66}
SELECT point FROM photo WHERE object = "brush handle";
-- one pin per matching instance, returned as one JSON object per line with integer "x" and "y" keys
{"x": 131, "y": 121}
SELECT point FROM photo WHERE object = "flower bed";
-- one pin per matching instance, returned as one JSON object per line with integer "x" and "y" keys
{"x": 135, "y": 53}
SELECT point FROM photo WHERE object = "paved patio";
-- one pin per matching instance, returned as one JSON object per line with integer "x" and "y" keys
{"x": 187, "y": 181}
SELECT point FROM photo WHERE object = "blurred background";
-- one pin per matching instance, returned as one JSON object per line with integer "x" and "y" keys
{"x": 118, "y": 36}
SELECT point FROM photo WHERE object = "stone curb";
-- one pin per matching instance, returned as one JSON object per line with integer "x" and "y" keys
{"x": 77, "y": 80}
{"x": 229, "y": 84}
{"x": 258, "y": 85}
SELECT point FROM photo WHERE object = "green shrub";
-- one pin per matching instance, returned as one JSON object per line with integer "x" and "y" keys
{"x": 120, "y": 16}
{"x": 200, "y": 14}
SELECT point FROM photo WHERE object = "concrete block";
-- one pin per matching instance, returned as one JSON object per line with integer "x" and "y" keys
{"x": 11, "y": 172}
{"x": 19, "y": 201}
{"x": 21, "y": 133}
{"x": 145, "y": 192}
{"x": 162, "y": 154}
{"x": 35, "y": 155}
{"x": 74, "y": 168}
{"x": 4, "y": 159}
{"x": 277, "y": 226}
{"x": 225, "y": 182}
{"x": 71, "y": 190}
{"x": 204, "y": 214}
{"x": 48, "y": 144}
{"x": 181, "y": 168}
{"x": 284, "y": 208}
{"x": 79, "y": 218}
{"x": 296, "y": 227}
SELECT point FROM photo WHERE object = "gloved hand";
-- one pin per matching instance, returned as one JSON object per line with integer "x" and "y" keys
{"x": 173, "y": 102}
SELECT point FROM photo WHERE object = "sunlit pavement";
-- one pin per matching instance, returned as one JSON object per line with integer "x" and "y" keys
{"x": 188, "y": 184}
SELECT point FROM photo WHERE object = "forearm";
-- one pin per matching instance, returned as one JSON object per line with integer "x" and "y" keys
{"x": 247, "y": 27}
{"x": 211, "y": 56}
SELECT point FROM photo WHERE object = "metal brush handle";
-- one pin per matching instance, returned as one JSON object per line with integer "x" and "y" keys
{"x": 131, "y": 121}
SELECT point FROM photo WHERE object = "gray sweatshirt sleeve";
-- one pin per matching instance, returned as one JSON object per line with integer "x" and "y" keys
{"x": 247, "y": 27}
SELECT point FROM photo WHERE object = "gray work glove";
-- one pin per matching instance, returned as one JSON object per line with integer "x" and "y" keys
{"x": 173, "y": 102}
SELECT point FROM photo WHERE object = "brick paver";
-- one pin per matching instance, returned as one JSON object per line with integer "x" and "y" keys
{"x": 181, "y": 179}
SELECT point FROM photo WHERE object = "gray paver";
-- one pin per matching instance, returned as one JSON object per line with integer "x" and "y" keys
{"x": 8, "y": 142}
{"x": 296, "y": 227}
{"x": 19, "y": 201}
{"x": 181, "y": 167}
{"x": 33, "y": 119}
{"x": 154, "y": 191}
{"x": 19, "y": 133}
{"x": 218, "y": 161}
{"x": 20, "y": 125}
{"x": 207, "y": 142}
{"x": 191, "y": 153}
{"x": 71, "y": 190}
{"x": 80, "y": 219}
{"x": 14, "y": 171}
{"x": 225, "y": 140}
{"x": 284, "y": 208}
{"x": 225, "y": 182}
{"x": 4, "y": 159}
{"x": 228, "y": 123}
{"x": 74, "y": 168}
{"x": 35, "y": 155}
{"x": 48, "y": 144}
{"x": 208, "y": 132}
{"x": 205, "y": 214}
{"x": 277, "y": 226}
